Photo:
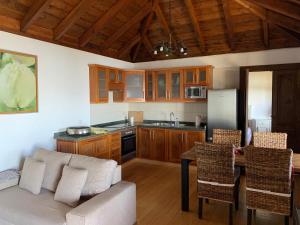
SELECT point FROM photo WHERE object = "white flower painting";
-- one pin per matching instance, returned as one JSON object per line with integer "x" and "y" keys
{"x": 18, "y": 82}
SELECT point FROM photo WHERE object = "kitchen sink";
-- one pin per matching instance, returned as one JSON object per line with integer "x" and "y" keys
{"x": 166, "y": 124}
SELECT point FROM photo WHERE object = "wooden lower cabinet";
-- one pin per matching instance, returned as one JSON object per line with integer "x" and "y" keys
{"x": 166, "y": 144}
{"x": 104, "y": 147}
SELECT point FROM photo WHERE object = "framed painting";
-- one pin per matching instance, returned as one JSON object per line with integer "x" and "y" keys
{"x": 18, "y": 83}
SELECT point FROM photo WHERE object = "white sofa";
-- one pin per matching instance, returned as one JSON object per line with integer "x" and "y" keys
{"x": 115, "y": 206}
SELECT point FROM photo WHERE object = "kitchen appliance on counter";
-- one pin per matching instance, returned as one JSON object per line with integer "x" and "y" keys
{"x": 222, "y": 110}
{"x": 196, "y": 92}
{"x": 78, "y": 131}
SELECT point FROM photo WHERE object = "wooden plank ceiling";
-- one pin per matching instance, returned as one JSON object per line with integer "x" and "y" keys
{"x": 129, "y": 29}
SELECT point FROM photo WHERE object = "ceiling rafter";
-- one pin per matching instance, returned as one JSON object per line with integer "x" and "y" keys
{"x": 123, "y": 51}
{"x": 148, "y": 45}
{"x": 37, "y": 8}
{"x": 265, "y": 28}
{"x": 144, "y": 29}
{"x": 271, "y": 17}
{"x": 228, "y": 24}
{"x": 71, "y": 18}
{"x": 102, "y": 21}
{"x": 279, "y": 6}
{"x": 196, "y": 26}
{"x": 295, "y": 1}
{"x": 134, "y": 20}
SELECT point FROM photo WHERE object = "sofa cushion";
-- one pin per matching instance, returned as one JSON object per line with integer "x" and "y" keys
{"x": 32, "y": 175}
{"x": 20, "y": 207}
{"x": 55, "y": 162}
{"x": 100, "y": 173}
{"x": 70, "y": 185}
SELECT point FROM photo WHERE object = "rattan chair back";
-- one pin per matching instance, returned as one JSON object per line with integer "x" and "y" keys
{"x": 270, "y": 140}
{"x": 227, "y": 137}
{"x": 268, "y": 179}
{"x": 215, "y": 171}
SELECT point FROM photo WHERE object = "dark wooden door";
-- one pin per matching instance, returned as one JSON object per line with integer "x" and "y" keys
{"x": 158, "y": 150}
{"x": 144, "y": 142}
{"x": 176, "y": 145}
{"x": 285, "y": 105}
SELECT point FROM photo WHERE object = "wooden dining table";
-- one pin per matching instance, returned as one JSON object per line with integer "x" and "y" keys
{"x": 190, "y": 156}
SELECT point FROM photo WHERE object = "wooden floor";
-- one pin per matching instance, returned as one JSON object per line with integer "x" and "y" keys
{"x": 159, "y": 203}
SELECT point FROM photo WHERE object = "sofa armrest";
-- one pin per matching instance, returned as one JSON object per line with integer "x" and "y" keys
{"x": 115, "y": 206}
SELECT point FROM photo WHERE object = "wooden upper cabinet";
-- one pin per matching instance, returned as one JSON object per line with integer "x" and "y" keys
{"x": 190, "y": 76}
{"x": 99, "y": 84}
{"x": 135, "y": 86}
{"x": 149, "y": 86}
{"x": 161, "y": 81}
{"x": 198, "y": 76}
{"x": 175, "y": 87}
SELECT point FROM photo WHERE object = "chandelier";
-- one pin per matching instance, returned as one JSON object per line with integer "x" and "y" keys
{"x": 171, "y": 46}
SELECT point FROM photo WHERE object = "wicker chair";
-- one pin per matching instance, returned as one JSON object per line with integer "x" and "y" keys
{"x": 227, "y": 137}
{"x": 268, "y": 176}
{"x": 217, "y": 178}
{"x": 270, "y": 140}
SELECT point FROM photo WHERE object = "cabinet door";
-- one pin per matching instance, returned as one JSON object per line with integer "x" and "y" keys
{"x": 115, "y": 147}
{"x": 190, "y": 76}
{"x": 158, "y": 144}
{"x": 112, "y": 74}
{"x": 176, "y": 86}
{"x": 98, "y": 84}
{"x": 176, "y": 140}
{"x": 144, "y": 142}
{"x": 102, "y": 148}
{"x": 87, "y": 148}
{"x": 161, "y": 86}
{"x": 103, "y": 85}
{"x": 202, "y": 76}
{"x": 190, "y": 137}
{"x": 150, "y": 86}
{"x": 135, "y": 86}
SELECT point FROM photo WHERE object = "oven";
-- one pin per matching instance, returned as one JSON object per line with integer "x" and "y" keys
{"x": 128, "y": 144}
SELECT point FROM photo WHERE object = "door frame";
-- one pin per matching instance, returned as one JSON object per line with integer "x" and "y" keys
{"x": 243, "y": 93}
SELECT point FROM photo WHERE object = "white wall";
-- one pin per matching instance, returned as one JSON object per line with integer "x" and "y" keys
{"x": 225, "y": 75}
{"x": 161, "y": 111}
{"x": 63, "y": 89}
{"x": 260, "y": 95}
{"x": 102, "y": 113}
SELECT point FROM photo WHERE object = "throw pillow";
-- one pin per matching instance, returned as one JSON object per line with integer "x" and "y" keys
{"x": 32, "y": 175}
{"x": 100, "y": 173}
{"x": 70, "y": 185}
{"x": 55, "y": 162}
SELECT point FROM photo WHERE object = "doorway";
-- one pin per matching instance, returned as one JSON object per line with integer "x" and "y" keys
{"x": 260, "y": 101}
{"x": 277, "y": 107}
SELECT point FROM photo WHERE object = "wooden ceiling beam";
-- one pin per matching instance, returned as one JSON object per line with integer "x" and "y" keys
{"x": 144, "y": 29}
{"x": 148, "y": 45}
{"x": 162, "y": 19}
{"x": 134, "y": 20}
{"x": 266, "y": 39}
{"x": 101, "y": 22}
{"x": 123, "y": 51}
{"x": 295, "y": 1}
{"x": 279, "y": 6}
{"x": 37, "y": 8}
{"x": 197, "y": 29}
{"x": 271, "y": 17}
{"x": 228, "y": 24}
{"x": 71, "y": 18}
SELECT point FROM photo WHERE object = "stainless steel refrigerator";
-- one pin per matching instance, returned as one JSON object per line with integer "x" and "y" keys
{"x": 221, "y": 110}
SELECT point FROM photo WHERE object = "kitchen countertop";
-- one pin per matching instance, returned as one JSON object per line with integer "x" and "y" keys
{"x": 147, "y": 124}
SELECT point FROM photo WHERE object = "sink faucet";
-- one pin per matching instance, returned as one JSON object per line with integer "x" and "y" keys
{"x": 172, "y": 114}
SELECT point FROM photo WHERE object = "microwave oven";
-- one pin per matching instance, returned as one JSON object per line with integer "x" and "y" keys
{"x": 196, "y": 92}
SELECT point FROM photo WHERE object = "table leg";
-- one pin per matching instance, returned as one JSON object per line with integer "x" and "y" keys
{"x": 185, "y": 184}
